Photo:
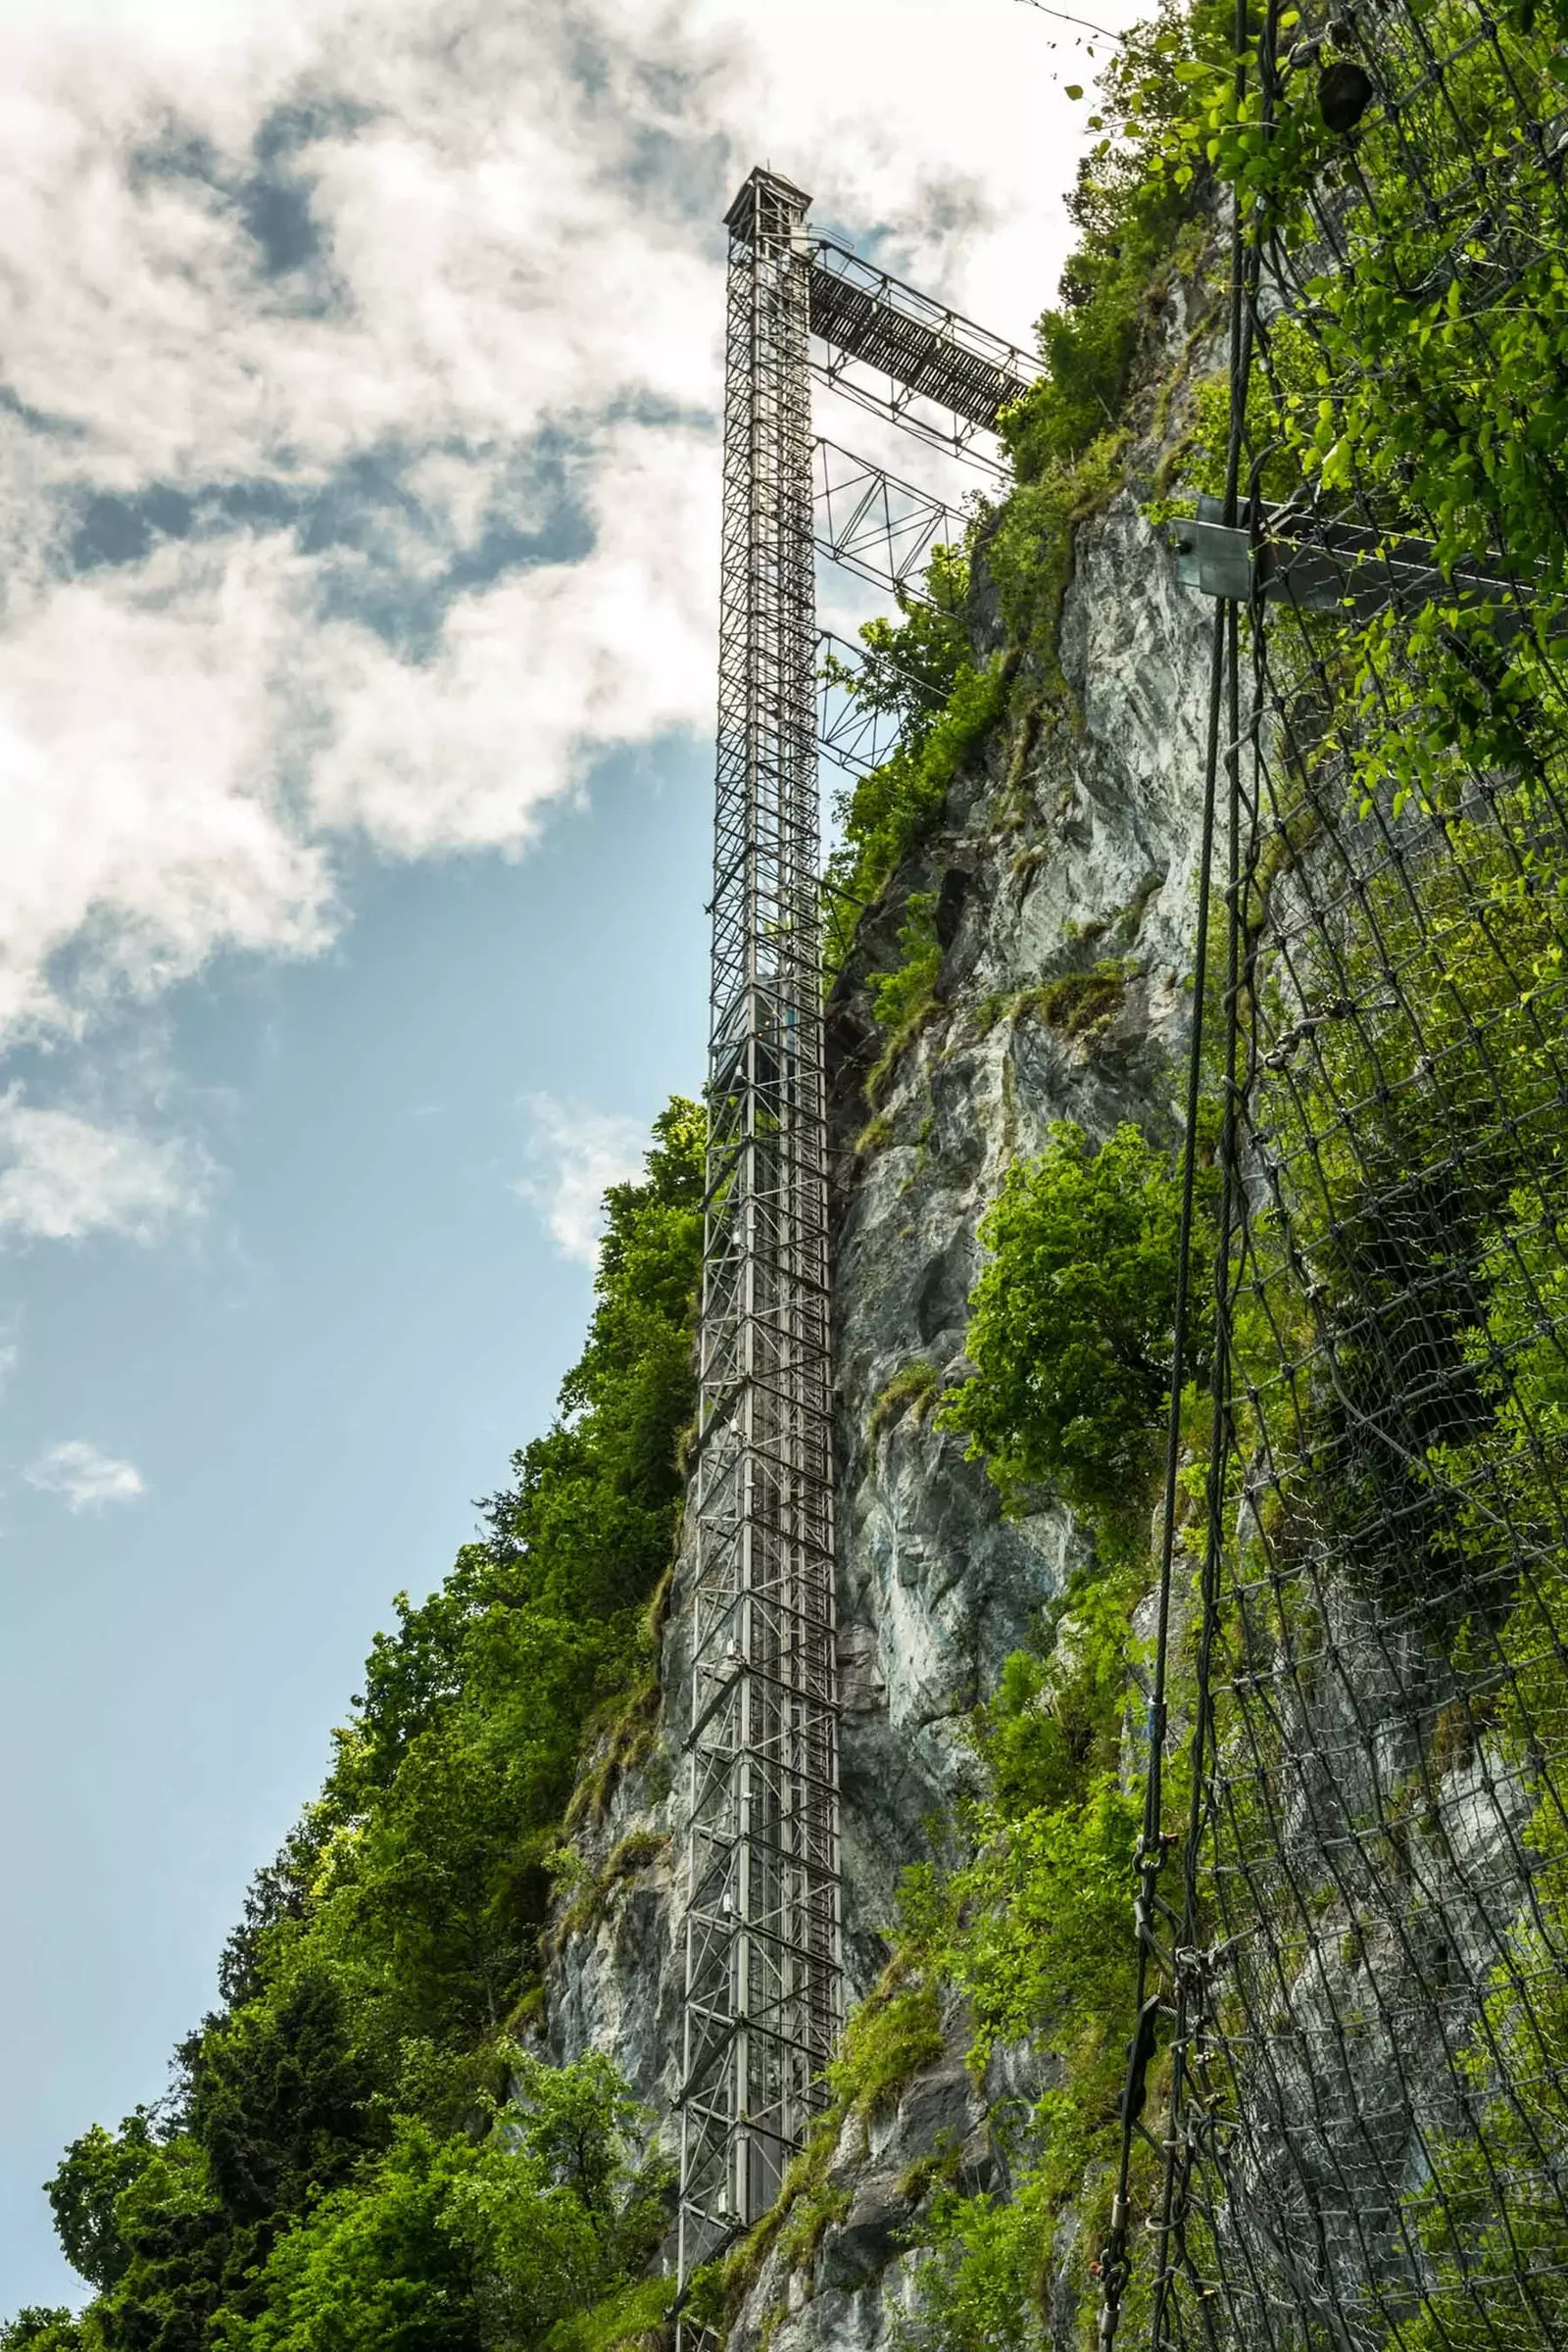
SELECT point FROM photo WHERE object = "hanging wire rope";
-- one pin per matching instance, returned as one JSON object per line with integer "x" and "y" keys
{"x": 1345, "y": 2120}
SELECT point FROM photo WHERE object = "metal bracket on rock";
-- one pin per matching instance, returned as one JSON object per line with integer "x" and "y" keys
{"x": 1293, "y": 557}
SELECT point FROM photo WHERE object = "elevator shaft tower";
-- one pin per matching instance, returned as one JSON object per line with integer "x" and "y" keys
{"x": 764, "y": 1977}
{"x": 762, "y": 1964}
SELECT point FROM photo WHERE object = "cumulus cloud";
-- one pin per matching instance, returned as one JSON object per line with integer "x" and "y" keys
{"x": 144, "y": 798}
{"x": 358, "y": 429}
{"x": 84, "y": 1477}
{"x": 63, "y": 1175}
{"x": 577, "y": 1155}
{"x": 533, "y": 676}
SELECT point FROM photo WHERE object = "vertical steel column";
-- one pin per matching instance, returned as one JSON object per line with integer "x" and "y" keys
{"x": 763, "y": 1962}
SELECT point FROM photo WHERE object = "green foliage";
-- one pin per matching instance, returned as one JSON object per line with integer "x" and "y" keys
{"x": 1045, "y": 1932}
{"x": 902, "y": 996}
{"x": 1070, "y": 1323}
{"x": 178, "y": 2244}
{"x": 1065, "y": 435}
{"x": 982, "y": 2284}
{"x": 1408, "y": 382}
{"x": 910, "y": 666}
{"x": 1029, "y": 553}
{"x": 1429, "y": 1233}
{"x": 41, "y": 2330}
{"x": 1071, "y": 1320}
{"x": 1083, "y": 1003}
{"x": 1031, "y": 1928}
{"x": 333, "y": 2173}
{"x": 635, "y": 2320}
{"x": 885, "y": 2045}
{"x": 386, "y": 2265}
{"x": 1128, "y": 209}
{"x": 1053, "y": 1730}
{"x": 889, "y": 811}
{"x": 451, "y": 2246}
{"x": 97, "y": 2169}
{"x": 598, "y": 1889}
{"x": 914, "y": 1388}
{"x": 279, "y": 2098}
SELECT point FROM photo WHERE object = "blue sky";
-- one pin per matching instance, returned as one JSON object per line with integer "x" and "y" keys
{"x": 313, "y": 1384}
{"x": 359, "y": 377}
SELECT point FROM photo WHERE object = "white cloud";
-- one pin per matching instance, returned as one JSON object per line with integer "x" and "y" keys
{"x": 578, "y": 1154}
{"x": 63, "y": 1175}
{"x": 611, "y": 658}
{"x": 146, "y": 723}
{"x": 508, "y": 295}
{"x": 86, "y": 1477}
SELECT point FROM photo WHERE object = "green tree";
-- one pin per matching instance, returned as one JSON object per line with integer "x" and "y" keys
{"x": 279, "y": 2099}
{"x": 909, "y": 666}
{"x": 41, "y": 2330}
{"x": 448, "y": 2245}
{"x": 177, "y": 2241}
{"x": 93, "y": 2175}
{"x": 1071, "y": 1322}
{"x": 376, "y": 2268}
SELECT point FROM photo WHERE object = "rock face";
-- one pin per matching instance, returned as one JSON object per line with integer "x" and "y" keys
{"x": 1083, "y": 866}
{"x": 862, "y": 2276}
{"x": 1063, "y": 881}
{"x": 1068, "y": 856}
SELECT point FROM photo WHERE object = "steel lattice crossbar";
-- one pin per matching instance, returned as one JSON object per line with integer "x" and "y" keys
{"x": 763, "y": 1967}
{"x": 876, "y": 526}
{"x": 856, "y": 730}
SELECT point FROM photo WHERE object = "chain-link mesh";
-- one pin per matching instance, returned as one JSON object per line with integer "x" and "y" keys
{"x": 1362, "y": 2138}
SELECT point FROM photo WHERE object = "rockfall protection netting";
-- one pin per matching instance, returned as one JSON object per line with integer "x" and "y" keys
{"x": 1348, "y": 2113}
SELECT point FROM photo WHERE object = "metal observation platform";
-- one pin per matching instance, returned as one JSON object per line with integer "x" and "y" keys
{"x": 762, "y": 1924}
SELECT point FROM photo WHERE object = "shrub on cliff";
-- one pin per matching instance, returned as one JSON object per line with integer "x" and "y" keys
{"x": 1071, "y": 1320}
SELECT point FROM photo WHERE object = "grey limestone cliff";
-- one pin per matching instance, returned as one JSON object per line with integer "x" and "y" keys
{"x": 1067, "y": 849}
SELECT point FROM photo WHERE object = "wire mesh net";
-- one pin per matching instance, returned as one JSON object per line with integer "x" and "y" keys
{"x": 1364, "y": 2137}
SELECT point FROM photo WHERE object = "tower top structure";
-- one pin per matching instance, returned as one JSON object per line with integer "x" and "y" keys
{"x": 761, "y": 194}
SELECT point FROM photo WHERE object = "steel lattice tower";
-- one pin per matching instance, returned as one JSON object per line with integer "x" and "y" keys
{"x": 762, "y": 1964}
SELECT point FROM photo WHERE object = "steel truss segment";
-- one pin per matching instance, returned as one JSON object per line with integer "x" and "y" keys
{"x": 891, "y": 349}
{"x": 876, "y": 526}
{"x": 857, "y": 731}
{"x": 930, "y": 349}
{"x": 763, "y": 1992}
